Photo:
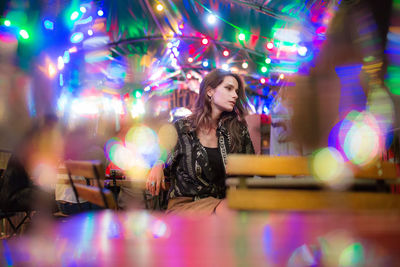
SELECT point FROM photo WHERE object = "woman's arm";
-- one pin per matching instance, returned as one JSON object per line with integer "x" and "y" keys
{"x": 160, "y": 170}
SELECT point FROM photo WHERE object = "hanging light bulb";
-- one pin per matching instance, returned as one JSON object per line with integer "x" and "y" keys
{"x": 211, "y": 19}
{"x": 160, "y": 7}
{"x": 204, "y": 41}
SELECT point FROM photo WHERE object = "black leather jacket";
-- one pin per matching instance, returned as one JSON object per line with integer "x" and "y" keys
{"x": 188, "y": 167}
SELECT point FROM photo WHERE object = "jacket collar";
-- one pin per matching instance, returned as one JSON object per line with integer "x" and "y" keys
{"x": 187, "y": 127}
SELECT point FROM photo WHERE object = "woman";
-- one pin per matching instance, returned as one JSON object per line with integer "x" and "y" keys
{"x": 196, "y": 166}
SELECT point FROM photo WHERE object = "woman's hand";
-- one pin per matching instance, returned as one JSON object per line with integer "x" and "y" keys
{"x": 155, "y": 179}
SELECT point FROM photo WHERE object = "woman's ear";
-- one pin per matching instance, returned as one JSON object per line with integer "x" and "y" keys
{"x": 210, "y": 92}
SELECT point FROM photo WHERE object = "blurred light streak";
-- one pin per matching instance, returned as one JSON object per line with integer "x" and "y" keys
{"x": 287, "y": 35}
{"x": 51, "y": 70}
{"x": 76, "y": 37}
{"x": 352, "y": 96}
{"x": 85, "y": 106}
{"x": 328, "y": 166}
{"x": 137, "y": 108}
{"x": 167, "y": 135}
{"x": 159, "y": 229}
{"x": 353, "y": 255}
{"x": 97, "y": 41}
{"x": 66, "y": 57}
{"x": 7, "y": 253}
{"x": 84, "y": 21}
{"x": 364, "y": 141}
{"x": 302, "y": 256}
{"x": 61, "y": 79}
{"x": 97, "y": 56}
{"x": 85, "y": 236}
{"x": 60, "y": 63}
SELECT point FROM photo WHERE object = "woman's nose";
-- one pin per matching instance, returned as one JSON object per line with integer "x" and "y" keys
{"x": 235, "y": 95}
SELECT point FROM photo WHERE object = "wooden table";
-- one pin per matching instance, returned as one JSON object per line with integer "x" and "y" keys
{"x": 139, "y": 238}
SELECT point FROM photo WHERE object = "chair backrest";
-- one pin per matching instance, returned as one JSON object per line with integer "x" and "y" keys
{"x": 262, "y": 165}
{"x": 95, "y": 192}
{"x": 249, "y": 165}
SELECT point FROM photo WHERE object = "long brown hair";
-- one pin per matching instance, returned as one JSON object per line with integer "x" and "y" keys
{"x": 201, "y": 117}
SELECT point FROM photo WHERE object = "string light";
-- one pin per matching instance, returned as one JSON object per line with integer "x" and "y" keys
{"x": 225, "y": 66}
{"x": 205, "y": 64}
{"x": 90, "y": 32}
{"x": 51, "y": 70}
{"x": 204, "y": 41}
{"x": 190, "y": 59}
{"x": 7, "y": 23}
{"x": 211, "y": 19}
{"x": 160, "y": 7}
{"x": 225, "y": 53}
{"x": 100, "y": 13}
{"x": 262, "y": 80}
{"x": 24, "y": 34}
{"x": 242, "y": 36}
{"x": 74, "y": 15}
{"x": 60, "y": 63}
{"x": 189, "y": 76}
{"x": 264, "y": 69}
{"x": 268, "y": 60}
{"x": 282, "y": 76}
{"x": 48, "y": 24}
{"x": 302, "y": 50}
{"x": 245, "y": 65}
{"x": 270, "y": 45}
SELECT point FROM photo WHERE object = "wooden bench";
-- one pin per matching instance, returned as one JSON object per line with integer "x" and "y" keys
{"x": 95, "y": 192}
{"x": 302, "y": 191}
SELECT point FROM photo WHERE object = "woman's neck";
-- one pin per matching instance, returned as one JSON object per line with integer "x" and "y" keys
{"x": 215, "y": 116}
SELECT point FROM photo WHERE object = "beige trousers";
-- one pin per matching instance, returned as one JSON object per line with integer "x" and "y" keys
{"x": 187, "y": 206}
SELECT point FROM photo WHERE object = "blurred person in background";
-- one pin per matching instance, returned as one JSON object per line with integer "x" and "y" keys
{"x": 349, "y": 75}
{"x": 281, "y": 130}
{"x": 26, "y": 184}
{"x": 15, "y": 91}
{"x": 196, "y": 166}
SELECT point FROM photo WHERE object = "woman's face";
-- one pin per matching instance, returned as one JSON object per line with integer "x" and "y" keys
{"x": 224, "y": 96}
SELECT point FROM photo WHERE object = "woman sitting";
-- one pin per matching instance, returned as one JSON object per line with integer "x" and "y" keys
{"x": 196, "y": 166}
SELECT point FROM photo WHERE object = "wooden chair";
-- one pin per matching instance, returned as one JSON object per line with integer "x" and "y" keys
{"x": 6, "y": 215}
{"x": 302, "y": 191}
{"x": 4, "y": 157}
{"x": 93, "y": 191}
{"x": 22, "y": 217}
